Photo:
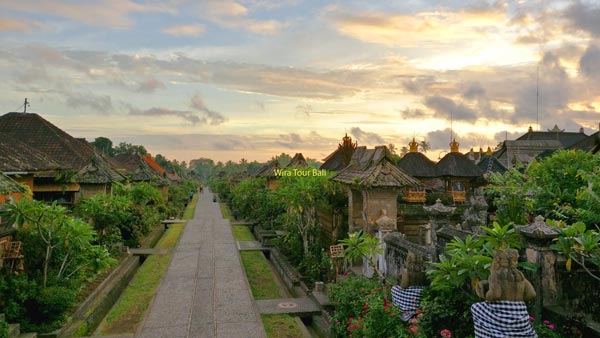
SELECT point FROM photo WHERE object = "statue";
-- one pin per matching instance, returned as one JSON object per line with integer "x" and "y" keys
{"x": 504, "y": 312}
{"x": 413, "y": 273}
{"x": 476, "y": 214}
{"x": 505, "y": 282}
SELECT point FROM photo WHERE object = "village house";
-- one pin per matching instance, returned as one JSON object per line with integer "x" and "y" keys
{"x": 422, "y": 168}
{"x": 341, "y": 157}
{"x": 74, "y": 169}
{"x": 142, "y": 168}
{"x": 459, "y": 173}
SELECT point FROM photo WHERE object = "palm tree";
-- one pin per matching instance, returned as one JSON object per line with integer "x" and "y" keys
{"x": 424, "y": 146}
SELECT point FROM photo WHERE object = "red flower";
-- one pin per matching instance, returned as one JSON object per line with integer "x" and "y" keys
{"x": 446, "y": 333}
{"x": 413, "y": 328}
{"x": 393, "y": 314}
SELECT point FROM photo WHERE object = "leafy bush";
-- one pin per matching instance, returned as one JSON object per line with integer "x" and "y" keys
{"x": 3, "y": 329}
{"x": 445, "y": 310}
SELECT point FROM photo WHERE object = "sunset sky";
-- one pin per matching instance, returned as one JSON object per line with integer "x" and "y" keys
{"x": 254, "y": 78}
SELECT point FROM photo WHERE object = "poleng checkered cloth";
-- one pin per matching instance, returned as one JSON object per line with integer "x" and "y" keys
{"x": 502, "y": 319}
{"x": 407, "y": 300}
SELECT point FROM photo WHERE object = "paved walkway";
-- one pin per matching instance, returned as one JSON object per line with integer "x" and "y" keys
{"x": 204, "y": 292}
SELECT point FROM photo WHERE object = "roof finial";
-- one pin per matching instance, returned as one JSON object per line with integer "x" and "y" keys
{"x": 454, "y": 146}
{"x": 25, "y": 104}
{"x": 413, "y": 146}
{"x": 488, "y": 151}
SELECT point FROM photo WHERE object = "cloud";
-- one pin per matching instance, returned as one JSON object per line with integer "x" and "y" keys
{"x": 291, "y": 141}
{"x": 185, "y": 30}
{"x": 106, "y": 13}
{"x": 440, "y": 140}
{"x": 188, "y": 116}
{"x": 227, "y": 8}
{"x": 215, "y": 118}
{"x": 474, "y": 90}
{"x": 413, "y": 113}
{"x": 445, "y": 108}
{"x": 589, "y": 64}
{"x": 423, "y": 29}
{"x": 584, "y": 17}
{"x": 366, "y": 138}
{"x": 150, "y": 85}
{"x": 304, "y": 110}
{"x": 100, "y": 103}
{"x": 9, "y": 24}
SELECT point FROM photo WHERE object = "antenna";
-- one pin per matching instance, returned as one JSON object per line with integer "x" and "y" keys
{"x": 537, "y": 98}
{"x": 451, "y": 125}
{"x": 25, "y": 104}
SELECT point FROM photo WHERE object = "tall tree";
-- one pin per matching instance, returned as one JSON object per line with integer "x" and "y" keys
{"x": 128, "y": 148}
{"x": 104, "y": 144}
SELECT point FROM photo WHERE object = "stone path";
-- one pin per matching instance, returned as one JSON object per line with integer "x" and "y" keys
{"x": 292, "y": 306}
{"x": 204, "y": 292}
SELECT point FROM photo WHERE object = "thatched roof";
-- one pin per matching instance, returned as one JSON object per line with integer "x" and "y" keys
{"x": 340, "y": 158}
{"x": 374, "y": 168}
{"x": 138, "y": 170}
{"x": 455, "y": 164}
{"x": 417, "y": 165}
{"x": 297, "y": 161}
{"x": 268, "y": 170}
{"x": 8, "y": 185}
{"x": 72, "y": 154}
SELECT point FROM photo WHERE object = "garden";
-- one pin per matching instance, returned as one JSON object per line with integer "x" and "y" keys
{"x": 563, "y": 188}
{"x": 69, "y": 251}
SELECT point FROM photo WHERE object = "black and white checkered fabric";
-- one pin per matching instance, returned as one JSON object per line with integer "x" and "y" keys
{"x": 502, "y": 319}
{"x": 407, "y": 300}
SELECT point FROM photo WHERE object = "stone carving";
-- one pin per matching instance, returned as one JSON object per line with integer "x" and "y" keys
{"x": 413, "y": 273}
{"x": 505, "y": 282}
{"x": 385, "y": 223}
{"x": 476, "y": 213}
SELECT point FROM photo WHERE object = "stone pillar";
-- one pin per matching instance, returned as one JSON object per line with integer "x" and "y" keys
{"x": 539, "y": 236}
{"x": 438, "y": 217}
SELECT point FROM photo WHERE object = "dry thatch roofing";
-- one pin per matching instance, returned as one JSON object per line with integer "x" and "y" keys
{"x": 8, "y": 185}
{"x": 72, "y": 154}
{"x": 455, "y": 164}
{"x": 137, "y": 169}
{"x": 374, "y": 168}
{"x": 297, "y": 161}
{"x": 417, "y": 165}
{"x": 268, "y": 170}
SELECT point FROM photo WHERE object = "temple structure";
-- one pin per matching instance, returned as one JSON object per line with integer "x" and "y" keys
{"x": 420, "y": 167}
{"x": 459, "y": 173}
{"x": 341, "y": 157}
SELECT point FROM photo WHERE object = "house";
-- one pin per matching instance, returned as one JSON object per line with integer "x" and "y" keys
{"x": 75, "y": 170}
{"x": 526, "y": 147}
{"x": 341, "y": 157}
{"x": 373, "y": 182}
{"x": 420, "y": 167}
{"x": 459, "y": 173}
{"x": 142, "y": 168}
{"x": 490, "y": 164}
{"x": 590, "y": 144}
{"x": 270, "y": 169}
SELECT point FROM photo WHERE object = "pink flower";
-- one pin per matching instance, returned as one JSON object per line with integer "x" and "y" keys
{"x": 393, "y": 314}
{"x": 413, "y": 320}
{"x": 419, "y": 315}
{"x": 551, "y": 326}
{"x": 385, "y": 307}
{"x": 446, "y": 333}
{"x": 531, "y": 318}
{"x": 413, "y": 328}
{"x": 546, "y": 322}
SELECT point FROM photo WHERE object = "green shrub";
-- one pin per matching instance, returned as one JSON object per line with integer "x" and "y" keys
{"x": 445, "y": 310}
{"x": 3, "y": 329}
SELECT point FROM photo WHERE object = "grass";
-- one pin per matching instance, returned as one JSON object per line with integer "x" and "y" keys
{"x": 226, "y": 212}
{"x": 261, "y": 279}
{"x": 128, "y": 313}
{"x": 281, "y": 326}
{"x": 242, "y": 233}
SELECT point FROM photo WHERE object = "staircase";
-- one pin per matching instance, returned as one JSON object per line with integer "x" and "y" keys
{"x": 14, "y": 330}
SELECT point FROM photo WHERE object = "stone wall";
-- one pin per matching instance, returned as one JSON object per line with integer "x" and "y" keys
{"x": 396, "y": 250}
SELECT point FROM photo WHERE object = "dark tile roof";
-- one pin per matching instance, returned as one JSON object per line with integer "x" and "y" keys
{"x": 490, "y": 164}
{"x": 417, "y": 165}
{"x": 138, "y": 170}
{"x": 72, "y": 154}
{"x": 374, "y": 168}
{"x": 567, "y": 139}
{"x": 455, "y": 164}
{"x": 590, "y": 144}
{"x": 8, "y": 185}
{"x": 334, "y": 162}
{"x": 16, "y": 155}
{"x": 297, "y": 161}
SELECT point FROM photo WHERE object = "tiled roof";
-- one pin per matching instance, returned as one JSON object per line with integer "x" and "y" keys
{"x": 417, "y": 165}
{"x": 138, "y": 169}
{"x": 72, "y": 154}
{"x": 16, "y": 155}
{"x": 590, "y": 144}
{"x": 490, "y": 164}
{"x": 153, "y": 164}
{"x": 565, "y": 138}
{"x": 374, "y": 168}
